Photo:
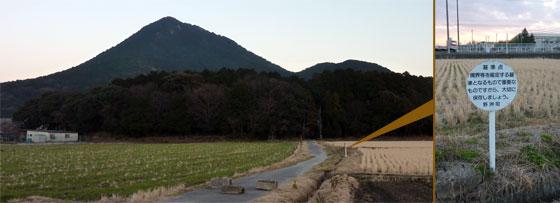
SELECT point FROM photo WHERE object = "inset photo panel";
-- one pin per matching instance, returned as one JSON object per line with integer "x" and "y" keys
{"x": 216, "y": 101}
{"x": 497, "y": 98}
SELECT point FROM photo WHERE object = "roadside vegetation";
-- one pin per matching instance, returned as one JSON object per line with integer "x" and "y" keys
{"x": 527, "y": 165}
{"x": 90, "y": 171}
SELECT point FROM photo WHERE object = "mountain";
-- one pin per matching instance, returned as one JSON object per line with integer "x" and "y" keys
{"x": 348, "y": 64}
{"x": 166, "y": 45}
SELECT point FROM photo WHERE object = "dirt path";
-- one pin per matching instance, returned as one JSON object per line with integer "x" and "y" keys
{"x": 281, "y": 175}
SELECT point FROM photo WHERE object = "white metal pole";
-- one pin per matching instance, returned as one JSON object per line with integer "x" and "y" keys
{"x": 492, "y": 140}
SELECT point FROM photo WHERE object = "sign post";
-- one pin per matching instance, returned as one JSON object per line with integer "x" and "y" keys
{"x": 492, "y": 139}
{"x": 491, "y": 86}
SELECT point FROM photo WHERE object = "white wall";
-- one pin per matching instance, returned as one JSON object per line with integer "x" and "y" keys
{"x": 42, "y": 136}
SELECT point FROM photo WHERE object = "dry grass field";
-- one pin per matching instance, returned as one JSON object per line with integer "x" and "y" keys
{"x": 527, "y": 136}
{"x": 538, "y": 93}
{"x": 394, "y": 157}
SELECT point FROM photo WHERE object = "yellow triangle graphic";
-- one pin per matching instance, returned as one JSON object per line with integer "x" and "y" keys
{"x": 421, "y": 112}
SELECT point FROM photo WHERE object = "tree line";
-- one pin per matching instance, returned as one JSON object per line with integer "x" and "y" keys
{"x": 239, "y": 102}
{"x": 523, "y": 37}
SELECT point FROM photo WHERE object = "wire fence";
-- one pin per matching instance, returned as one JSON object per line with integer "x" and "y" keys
{"x": 505, "y": 48}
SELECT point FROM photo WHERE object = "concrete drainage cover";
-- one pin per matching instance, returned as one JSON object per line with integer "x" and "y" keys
{"x": 267, "y": 185}
{"x": 219, "y": 182}
{"x": 232, "y": 189}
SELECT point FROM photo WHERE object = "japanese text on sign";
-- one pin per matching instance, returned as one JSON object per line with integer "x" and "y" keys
{"x": 491, "y": 85}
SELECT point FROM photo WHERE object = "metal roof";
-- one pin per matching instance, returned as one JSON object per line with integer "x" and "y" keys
{"x": 546, "y": 34}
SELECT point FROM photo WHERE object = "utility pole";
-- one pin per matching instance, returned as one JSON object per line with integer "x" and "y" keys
{"x": 458, "y": 39}
{"x": 507, "y": 41}
{"x": 320, "y": 123}
{"x": 303, "y": 128}
{"x": 486, "y": 44}
{"x": 472, "y": 42}
{"x": 447, "y": 17}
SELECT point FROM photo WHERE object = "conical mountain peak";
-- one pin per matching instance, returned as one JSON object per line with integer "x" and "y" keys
{"x": 164, "y": 45}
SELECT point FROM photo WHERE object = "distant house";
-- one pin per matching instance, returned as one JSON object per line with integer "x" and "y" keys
{"x": 42, "y": 136}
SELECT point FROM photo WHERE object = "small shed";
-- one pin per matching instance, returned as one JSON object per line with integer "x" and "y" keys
{"x": 42, "y": 136}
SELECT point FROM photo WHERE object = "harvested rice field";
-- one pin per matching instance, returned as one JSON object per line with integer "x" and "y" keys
{"x": 394, "y": 157}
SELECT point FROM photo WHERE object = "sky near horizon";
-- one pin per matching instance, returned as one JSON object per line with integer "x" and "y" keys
{"x": 504, "y": 18}
{"x": 44, "y": 37}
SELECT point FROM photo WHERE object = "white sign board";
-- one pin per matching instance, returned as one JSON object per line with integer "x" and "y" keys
{"x": 491, "y": 86}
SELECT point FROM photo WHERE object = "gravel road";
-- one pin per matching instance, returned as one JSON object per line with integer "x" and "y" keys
{"x": 281, "y": 175}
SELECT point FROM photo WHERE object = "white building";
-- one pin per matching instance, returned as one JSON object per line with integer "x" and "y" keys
{"x": 41, "y": 136}
{"x": 547, "y": 41}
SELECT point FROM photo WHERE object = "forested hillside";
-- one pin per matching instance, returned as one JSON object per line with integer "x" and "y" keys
{"x": 238, "y": 102}
{"x": 348, "y": 64}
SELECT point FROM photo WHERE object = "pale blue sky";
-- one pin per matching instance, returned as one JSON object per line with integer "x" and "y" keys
{"x": 43, "y": 37}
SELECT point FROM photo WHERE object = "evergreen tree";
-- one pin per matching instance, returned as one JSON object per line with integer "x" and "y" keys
{"x": 523, "y": 37}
